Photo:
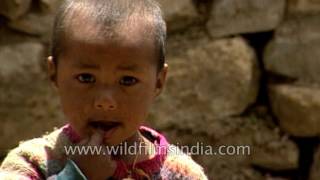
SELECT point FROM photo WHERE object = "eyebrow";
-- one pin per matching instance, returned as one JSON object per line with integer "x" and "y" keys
{"x": 130, "y": 67}
{"x": 87, "y": 66}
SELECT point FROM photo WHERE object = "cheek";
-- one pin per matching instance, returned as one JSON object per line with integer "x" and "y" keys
{"x": 73, "y": 111}
{"x": 68, "y": 98}
{"x": 72, "y": 98}
{"x": 139, "y": 103}
{"x": 72, "y": 104}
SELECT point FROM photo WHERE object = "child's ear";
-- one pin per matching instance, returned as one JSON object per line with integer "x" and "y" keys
{"x": 52, "y": 70}
{"x": 161, "y": 79}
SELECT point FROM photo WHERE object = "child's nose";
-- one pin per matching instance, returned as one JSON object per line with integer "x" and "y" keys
{"x": 105, "y": 100}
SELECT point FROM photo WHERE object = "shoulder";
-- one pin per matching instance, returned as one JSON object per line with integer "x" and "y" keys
{"x": 36, "y": 157}
{"x": 179, "y": 165}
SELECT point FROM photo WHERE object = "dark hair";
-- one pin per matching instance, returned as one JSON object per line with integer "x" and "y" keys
{"x": 108, "y": 14}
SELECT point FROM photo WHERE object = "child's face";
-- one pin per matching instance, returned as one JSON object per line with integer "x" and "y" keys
{"x": 108, "y": 84}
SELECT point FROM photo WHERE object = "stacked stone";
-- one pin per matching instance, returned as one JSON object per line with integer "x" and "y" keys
{"x": 28, "y": 105}
{"x": 214, "y": 80}
{"x": 294, "y": 53}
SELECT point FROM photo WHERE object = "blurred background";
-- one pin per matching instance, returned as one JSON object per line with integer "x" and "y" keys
{"x": 241, "y": 72}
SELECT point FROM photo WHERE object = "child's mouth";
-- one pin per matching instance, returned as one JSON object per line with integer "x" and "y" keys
{"x": 104, "y": 126}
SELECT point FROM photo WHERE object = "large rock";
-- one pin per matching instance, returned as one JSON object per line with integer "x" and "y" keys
{"x": 297, "y": 109}
{"x": 19, "y": 58}
{"x": 28, "y": 105}
{"x": 14, "y": 9}
{"x": 315, "y": 168}
{"x": 272, "y": 149}
{"x": 268, "y": 149}
{"x": 230, "y": 17}
{"x": 279, "y": 155}
{"x": 208, "y": 80}
{"x": 294, "y": 51}
{"x": 303, "y": 6}
{"x": 178, "y": 14}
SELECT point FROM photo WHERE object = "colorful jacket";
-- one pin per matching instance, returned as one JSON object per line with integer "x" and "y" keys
{"x": 46, "y": 158}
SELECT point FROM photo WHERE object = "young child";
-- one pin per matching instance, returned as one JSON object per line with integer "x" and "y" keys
{"x": 108, "y": 66}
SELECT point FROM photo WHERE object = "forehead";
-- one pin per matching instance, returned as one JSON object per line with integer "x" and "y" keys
{"x": 82, "y": 25}
{"x": 130, "y": 41}
{"x": 134, "y": 32}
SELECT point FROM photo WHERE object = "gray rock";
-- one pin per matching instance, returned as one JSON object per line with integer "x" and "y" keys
{"x": 268, "y": 149}
{"x": 272, "y": 150}
{"x": 14, "y": 9}
{"x": 315, "y": 173}
{"x": 210, "y": 80}
{"x": 216, "y": 166}
{"x": 276, "y": 156}
{"x": 229, "y": 17}
{"x": 294, "y": 51}
{"x": 178, "y": 14}
{"x": 18, "y": 58}
{"x": 34, "y": 24}
{"x": 303, "y": 6}
{"x": 297, "y": 109}
{"x": 28, "y": 103}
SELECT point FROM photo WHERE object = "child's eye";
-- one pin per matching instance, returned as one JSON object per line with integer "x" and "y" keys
{"x": 128, "y": 81}
{"x": 86, "y": 78}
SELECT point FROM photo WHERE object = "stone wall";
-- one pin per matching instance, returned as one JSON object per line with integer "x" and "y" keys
{"x": 241, "y": 72}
